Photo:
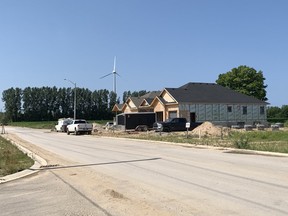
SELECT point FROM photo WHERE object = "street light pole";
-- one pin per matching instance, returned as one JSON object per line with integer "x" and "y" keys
{"x": 74, "y": 96}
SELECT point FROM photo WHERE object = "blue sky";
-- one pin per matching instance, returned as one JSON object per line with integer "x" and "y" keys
{"x": 158, "y": 43}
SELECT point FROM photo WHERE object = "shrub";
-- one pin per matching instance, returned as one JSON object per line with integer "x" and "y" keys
{"x": 242, "y": 142}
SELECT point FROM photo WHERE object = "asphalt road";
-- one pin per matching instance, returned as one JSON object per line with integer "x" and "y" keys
{"x": 164, "y": 179}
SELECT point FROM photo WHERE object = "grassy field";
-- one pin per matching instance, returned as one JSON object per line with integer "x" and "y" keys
{"x": 272, "y": 141}
{"x": 12, "y": 160}
{"x": 36, "y": 124}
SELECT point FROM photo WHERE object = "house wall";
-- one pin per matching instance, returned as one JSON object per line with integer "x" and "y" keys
{"x": 126, "y": 109}
{"x": 167, "y": 97}
{"x": 165, "y": 109}
{"x": 159, "y": 107}
{"x": 171, "y": 108}
{"x": 130, "y": 107}
{"x": 219, "y": 114}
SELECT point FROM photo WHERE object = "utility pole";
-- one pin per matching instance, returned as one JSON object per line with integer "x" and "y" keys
{"x": 74, "y": 96}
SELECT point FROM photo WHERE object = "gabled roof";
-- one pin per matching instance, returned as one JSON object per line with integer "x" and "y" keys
{"x": 210, "y": 93}
{"x": 136, "y": 100}
{"x": 118, "y": 107}
{"x": 160, "y": 99}
{"x": 151, "y": 95}
{"x": 148, "y": 97}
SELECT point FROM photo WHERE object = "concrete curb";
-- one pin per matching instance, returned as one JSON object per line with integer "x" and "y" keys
{"x": 38, "y": 162}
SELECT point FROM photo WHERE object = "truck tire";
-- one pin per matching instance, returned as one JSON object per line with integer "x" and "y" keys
{"x": 68, "y": 132}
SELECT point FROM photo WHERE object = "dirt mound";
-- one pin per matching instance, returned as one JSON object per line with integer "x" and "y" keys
{"x": 210, "y": 130}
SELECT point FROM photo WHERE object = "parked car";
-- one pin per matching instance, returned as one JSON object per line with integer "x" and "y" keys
{"x": 174, "y": 124}
{"x": 61, "y": 126}
{"x": 79, "y": 126}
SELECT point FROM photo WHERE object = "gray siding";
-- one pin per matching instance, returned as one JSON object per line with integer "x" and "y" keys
{"x": 218, "y": 113}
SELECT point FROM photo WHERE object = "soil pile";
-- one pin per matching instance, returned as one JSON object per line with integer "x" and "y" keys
{"x": 209, "y": 130}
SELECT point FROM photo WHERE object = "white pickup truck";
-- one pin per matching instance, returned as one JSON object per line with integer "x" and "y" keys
{"x": 79, "y": 126}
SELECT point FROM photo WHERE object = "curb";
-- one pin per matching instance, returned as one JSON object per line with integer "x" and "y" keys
{"x": 38, "y": 162}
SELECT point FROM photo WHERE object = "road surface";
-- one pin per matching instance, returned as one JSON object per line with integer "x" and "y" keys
{"x": 131, "y": 177}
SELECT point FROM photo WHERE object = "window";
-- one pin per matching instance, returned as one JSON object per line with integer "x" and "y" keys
{"x": 229, "y": 109}
{"x": 262, "y": 110}
{"x": 244, "y": 110}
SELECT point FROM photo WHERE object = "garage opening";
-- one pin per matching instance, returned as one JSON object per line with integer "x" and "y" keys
{"x": 172, "y": 114}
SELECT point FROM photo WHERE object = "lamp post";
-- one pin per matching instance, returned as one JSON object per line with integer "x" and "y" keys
{"x": 74, "y": 96}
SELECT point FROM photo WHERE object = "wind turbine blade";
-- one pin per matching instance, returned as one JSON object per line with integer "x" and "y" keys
{"x": 105, "y": 76}
{"x": 118, "y": 74}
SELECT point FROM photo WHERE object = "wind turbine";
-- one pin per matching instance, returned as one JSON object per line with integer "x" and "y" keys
{"x": 114, "y": 73}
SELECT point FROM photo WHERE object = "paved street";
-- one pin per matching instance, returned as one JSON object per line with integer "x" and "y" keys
{"x": 106, "y": 176}
{"x": 44, "y": 194}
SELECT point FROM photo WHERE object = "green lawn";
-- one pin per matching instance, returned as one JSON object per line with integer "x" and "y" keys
{"x": 272, "y": 141}
{"x": 12, "y": 160}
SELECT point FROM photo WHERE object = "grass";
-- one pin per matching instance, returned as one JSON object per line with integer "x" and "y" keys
{"x": 36, "y": 124}
{"x": 12, "y": 160}
{"x": 272, "y": 141}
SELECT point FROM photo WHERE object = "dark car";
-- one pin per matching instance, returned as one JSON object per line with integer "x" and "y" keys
{"x": 174, "y": 124}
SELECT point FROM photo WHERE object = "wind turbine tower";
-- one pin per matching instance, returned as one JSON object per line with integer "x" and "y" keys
{"x": 114, "y": 73}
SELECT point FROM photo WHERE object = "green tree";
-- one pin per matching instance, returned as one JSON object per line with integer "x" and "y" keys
{"x": 46, "y": 103}
{"x": 126, "y": 95}
{"x": 138, "y": 93}
{"x": 112, "y": 99}
{"x": 12, "y": 103}
{"x": 274, "y": 112}
{"x": 284, "y": 111}
{"x": 245, "y": 80}
{"x": 84, "y": 98}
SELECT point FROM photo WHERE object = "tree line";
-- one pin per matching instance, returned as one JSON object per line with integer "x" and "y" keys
{"x": 51, "y": 103}
{"x": 277, "y": 114}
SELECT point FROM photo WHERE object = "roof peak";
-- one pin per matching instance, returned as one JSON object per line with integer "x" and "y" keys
{"x": 195, "y": 83}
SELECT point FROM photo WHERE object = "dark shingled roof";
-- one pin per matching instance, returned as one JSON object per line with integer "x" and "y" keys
{"x": 148, "y": 97}
{"x": 151, "y": 94}
{"x": 120, "y": 106}
{"x": 136, "y": 100}
{"x": 210, "y": 93}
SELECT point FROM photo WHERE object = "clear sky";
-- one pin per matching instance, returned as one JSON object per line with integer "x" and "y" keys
{"x": 158, "y": 43}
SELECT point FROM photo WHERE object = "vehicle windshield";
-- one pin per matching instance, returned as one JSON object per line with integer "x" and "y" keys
{"x": 80, "y": 122}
